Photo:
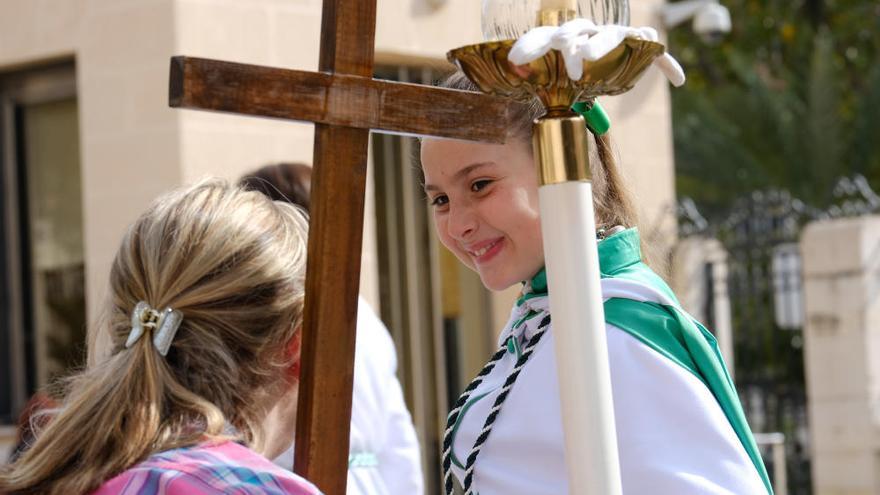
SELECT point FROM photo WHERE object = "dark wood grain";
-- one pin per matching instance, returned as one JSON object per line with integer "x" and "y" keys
{"x": 337, "y": 99}
{"x": 334, "y": 258}
{"x": 332, "y": 277}
{"x": 348, "y": 33}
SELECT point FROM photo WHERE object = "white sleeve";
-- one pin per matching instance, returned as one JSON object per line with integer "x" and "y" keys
{"x": 672, "y": 434}
{"x": 400, "y": 462}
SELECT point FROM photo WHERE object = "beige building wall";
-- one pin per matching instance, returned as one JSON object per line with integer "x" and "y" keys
{"x": 129, "y": 142}
{"x": 641, "y": 122}
{"x": 133, "y": 147}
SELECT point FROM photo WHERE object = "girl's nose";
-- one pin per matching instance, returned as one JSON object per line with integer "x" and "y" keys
{"x": 462, "y": 222}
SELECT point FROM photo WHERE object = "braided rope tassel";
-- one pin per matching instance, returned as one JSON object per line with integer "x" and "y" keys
{"x": 496, "y": 407}
{"x": 452, "y": 418}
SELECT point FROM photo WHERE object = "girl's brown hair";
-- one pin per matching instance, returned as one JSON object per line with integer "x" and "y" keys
{"x": 610, "y": 197}
{"x": 233, "y": 263}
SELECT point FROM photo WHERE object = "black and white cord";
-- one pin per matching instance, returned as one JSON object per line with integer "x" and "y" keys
{"x": 454, "y": 413}
{"x": 493, "y": 413}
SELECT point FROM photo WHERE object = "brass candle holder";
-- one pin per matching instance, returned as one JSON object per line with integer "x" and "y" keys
{"x": 560, "y": 143}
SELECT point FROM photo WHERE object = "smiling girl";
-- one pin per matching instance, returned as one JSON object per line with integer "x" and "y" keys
{"x": 680, "y": 426}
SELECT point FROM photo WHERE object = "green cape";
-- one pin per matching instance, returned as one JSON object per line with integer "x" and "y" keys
{"x": 668, "y": 330}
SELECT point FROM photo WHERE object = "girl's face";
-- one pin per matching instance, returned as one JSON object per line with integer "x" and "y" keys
{"x": 485, "y": 202}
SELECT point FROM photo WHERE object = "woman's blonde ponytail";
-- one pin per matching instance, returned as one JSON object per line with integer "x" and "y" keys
{"x": 233, "y": 263}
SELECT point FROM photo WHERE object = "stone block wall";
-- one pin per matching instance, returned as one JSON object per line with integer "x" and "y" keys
{"x": 842, "y": 353}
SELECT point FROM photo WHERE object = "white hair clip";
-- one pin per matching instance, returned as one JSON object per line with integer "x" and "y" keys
{"x": 169, "y": 322}
{"x": 164, "y": 324}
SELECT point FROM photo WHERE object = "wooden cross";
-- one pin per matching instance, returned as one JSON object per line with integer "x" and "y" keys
{"x": 345, "y": 103}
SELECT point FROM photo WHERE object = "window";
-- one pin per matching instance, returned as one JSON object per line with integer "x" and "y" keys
{"x": 42, "y": 298}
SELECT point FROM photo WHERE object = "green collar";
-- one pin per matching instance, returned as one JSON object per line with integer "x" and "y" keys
{"x": 616, "y": 253}
{"x": 620, "y": 251}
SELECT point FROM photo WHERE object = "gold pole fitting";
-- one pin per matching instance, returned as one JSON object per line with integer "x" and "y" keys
{"x": 561, "y": 149}
{"x": 555, "y": 17}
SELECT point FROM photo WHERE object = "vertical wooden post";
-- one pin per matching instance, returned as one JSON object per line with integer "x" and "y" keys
{"x": 333, "y": 272}
{"x": 345, "y": 103}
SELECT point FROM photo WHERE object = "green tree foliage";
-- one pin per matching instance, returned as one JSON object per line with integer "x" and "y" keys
{"x": 789, "y": 99}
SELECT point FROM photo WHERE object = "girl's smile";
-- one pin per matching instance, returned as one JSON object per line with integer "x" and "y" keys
{"x": 484, "y": 251}
{"x": 485, "y": 202}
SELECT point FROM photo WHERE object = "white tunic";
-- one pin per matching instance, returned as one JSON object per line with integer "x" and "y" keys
{"x": 673, "y": 437}
{"x": 384, "y": 452}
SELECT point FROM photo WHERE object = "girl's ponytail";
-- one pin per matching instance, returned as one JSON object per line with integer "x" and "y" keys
{"x": 233, "y": 264}
{"x": 613, "y": 202}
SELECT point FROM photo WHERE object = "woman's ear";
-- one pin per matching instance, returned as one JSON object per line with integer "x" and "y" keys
{"x": 294, "y": 351}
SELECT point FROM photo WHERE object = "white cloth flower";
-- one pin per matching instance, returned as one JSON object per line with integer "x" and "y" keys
{"x": 581, "y": 40}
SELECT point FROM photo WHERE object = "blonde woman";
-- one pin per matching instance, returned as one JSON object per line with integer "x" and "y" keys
{"x": 200, "y": 379}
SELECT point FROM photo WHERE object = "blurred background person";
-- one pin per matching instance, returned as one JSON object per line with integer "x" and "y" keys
{"x": 384, "y": 452}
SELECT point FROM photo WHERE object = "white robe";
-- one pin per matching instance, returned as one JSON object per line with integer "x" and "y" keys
{"x": 384, "y": 452}
{"x": 673, "y": 437}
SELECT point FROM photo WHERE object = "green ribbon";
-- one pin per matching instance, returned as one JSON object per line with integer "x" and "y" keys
{"x": 597, "y": 120}
{"x": 362, "y": 460}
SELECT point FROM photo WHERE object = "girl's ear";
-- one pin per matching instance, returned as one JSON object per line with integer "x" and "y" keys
{"x": 294, "y": 351}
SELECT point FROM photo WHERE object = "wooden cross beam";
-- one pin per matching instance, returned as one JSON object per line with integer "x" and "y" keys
{"x": 345, "y": 103}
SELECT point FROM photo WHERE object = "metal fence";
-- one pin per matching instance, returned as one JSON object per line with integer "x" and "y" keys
{"x": 761, "y": 234}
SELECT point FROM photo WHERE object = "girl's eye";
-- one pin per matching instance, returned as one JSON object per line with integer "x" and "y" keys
{"x": 439, "y": 200}
{"x": 479, "y": 185}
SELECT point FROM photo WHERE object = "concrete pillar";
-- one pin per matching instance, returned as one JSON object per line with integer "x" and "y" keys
{"x": 841, "y": 263}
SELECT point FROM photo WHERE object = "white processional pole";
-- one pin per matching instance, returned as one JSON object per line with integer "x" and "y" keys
{"x": 572, "y": 265}
{"x": 575, "y": 62}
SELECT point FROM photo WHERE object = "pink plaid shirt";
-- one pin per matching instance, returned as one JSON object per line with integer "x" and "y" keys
{"x": 227, "y": 468}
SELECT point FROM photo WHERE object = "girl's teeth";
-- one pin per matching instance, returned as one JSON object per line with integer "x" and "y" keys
{"x": 484, "y": 250}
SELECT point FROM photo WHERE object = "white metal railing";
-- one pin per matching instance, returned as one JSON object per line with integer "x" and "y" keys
{"x": 776, "y": 442}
